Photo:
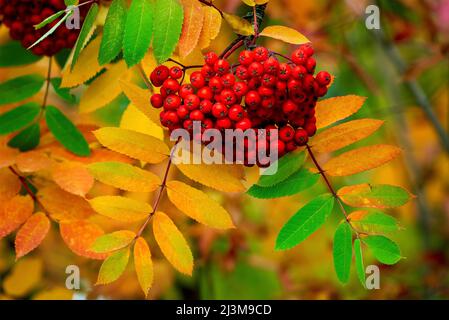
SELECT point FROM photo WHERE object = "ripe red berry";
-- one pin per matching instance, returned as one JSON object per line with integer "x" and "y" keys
{"x": 308, "y": 49}
{"x": 246, "y": 57}
{"x": 182, "y": 112}
{"x": 206, "y": 106}
{"x": 171, "y": 118}
{"x": 157, "y": 101}
{"x": 323, "y": 78}
{"x": 228, "y": 97}
{"x": 260, "y": 54}
{"x": 192, "y": 101}
{"x": 299, "y": 72}
{"x": 243, "y": 124}
{"x": 224, "y": 123}
{"x": 210, "y": 58}
{"x": 289, "y": 107}
{"x": 265, "y": 92}
{"x": 299, "y": 57}
{"x": 268, "y": 80}
{"x": 171, "y": 86}
{"x": 301, "y": 137}
{"x": 221, "y": 67}
{"x": 205, "y": 93}
{"x": 207, "y": 71}
{"x": 286, "y": 133}
{"x": 176, "y": 72}
{"x": 242, "y": 72}
{"x": 236, "y": 112}
{"x": 252, "y": 98}
{"x": 310, "y": 65}
{"x": 267, "y": 103}
{"x": 219, "y": 110}
{"x": 310, "y": 128}
{"x": 255, "y": 69}
{"x": 197, "y": 79}
{"x": 185, "y": 90}
{"x": 172, "y": 102}
{"x": 196, "y": 115}
{"x": 161, "y": 73}
{"x": 284, "y": 71}
{"x": 216, "y": 84}
{"x": 271, "y": 66}
{"x": 228, "y": 80}
{"x": 187, "y": 124}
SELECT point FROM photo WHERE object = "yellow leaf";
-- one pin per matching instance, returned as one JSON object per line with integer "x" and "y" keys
{"x": 361, "y": 159}
{"x": 239, "y": 25}
{"x": 344, "y": 134}
{"x": 57, "y": 293}
{"x": 191, "y": 28}
{"x": 14, "y": 213}
{"x": 10, "y": 185}
{"x": 143, "y": 264}
{"x": 31, "y": 234}
{"x": 225, "y": 178}
{"x": 113, "y": 241}
{"x": 261, "y": 1}
{"x": 133, "y": 119}
{"x": 33, "y": 161}
{"x": 124, "y": 176}
{"x": 79, "y": 235}
{"x": 211, "y": 26}
{"x": 250, "y": 3}
{"x": 113, "y": 267}
{"x": 73, "y": 178}
{"x": 140, "y": 98}
{"x": 104, "y": 89}
{"x": 55, "y": 201}
{"x": 197, "y": 205}
{"x": 172, "y": 243}
{"x": 285, "y": 34}
{"x": 25, "y": 276}
{"x": 86, "y": 67}
{"x": 133, "y": 144}
{"x": 121, "y": 208}
{"x": 332, "y": 110}
{"x": 149, "y": 62}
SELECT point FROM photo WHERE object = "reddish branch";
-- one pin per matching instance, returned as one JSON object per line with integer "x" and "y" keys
{"x": 210, "y": 4}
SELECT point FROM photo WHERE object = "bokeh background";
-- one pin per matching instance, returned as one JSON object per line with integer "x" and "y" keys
{"x": 403, "y": 69}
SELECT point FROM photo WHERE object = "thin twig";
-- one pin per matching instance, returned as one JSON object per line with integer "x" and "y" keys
{"x": 210, "y": 4}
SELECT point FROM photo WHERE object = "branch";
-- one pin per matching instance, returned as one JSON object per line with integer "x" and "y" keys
{"x": 210, "y": 4}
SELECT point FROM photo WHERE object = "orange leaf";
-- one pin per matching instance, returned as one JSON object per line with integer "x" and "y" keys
{"x": 344, "y": 134}
{"x": 56, "y": 201}
{"x": 172, "y": 243}
{"x": 143, "y": 264}
{"x": 80, "y": 235}
{"x": 15, "y": 212}
{"x": 32, "y": 161}
{"x": 31, "y": 234}
{"x": 7, "y": 156}
{"x": 73, "y": 178}
{"x": 332, "y": 110}
{"x": 9, "y": 185}
{"x": 211, "y": 26}
{"x": 191, "y": 28}
{"x": 361, "y": 159}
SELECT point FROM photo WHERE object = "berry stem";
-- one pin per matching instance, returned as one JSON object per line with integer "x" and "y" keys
{"x": 44, "y": 102}
{"x": 210, "y": 4}
{"x": 331, "y": 188}
{"x": 281, "y": 55}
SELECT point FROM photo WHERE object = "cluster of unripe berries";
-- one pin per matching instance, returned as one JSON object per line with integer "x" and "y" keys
{"x": 258, "y": 92}
{"x": 20, "y": 16}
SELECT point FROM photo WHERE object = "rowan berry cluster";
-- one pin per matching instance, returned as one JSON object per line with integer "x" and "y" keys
{"x": 20, "y": 16}
{"x": 259, "y": 92}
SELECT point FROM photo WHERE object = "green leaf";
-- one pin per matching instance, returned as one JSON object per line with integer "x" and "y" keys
{"x": 113, "y": 241}
{"x": 111, "y": 43}
{"x": 18, "y": 118}
{"x": 342, "y": 251}
{"x": 138, "y": 31}
{"x": 168, "y": 21}
{"x": 13, "y": 54}
{"x": 20, "y": 88}
{"x": 384, "y": 249}
{"x": 63, "y": 93}
{"x": 373, "y": 222}
{"x": 84, "y": 33}
{"x": 113, "y": 267}
{"x": 359, "y": 266}
{"x": 70, "y": 2}
{"x": 379, "y": 196}
{"x": 282, "y": 169}
{"x": 49, "y": 19}
{"x": 27, "y": 139}
{"x": 297, "y": 182}
{"x": 305, "y": 222}
{"x": 65, "y": 132}
{"x": 49, "y": 32}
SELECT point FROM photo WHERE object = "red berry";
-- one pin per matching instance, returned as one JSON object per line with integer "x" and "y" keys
{"x": 171, "y": 86}
{"x": 228, "y": 97}
{"x": 228, "y": 80}
{"x": 323, "y": 78}
{"x": 310, "y": 128}
{"x": 210, "y": 58}
{"x": 206, "y": 106}
{"x": 240, "y": 89}
{"x": 236, "y": 112}
{"x": 219, "y": 110}
{"x": 308, "y": 82}
{"x": 171, "y": 118}
{"x": 197, "y": 79}
{"x": 182, "y": 112}
{"x": 176, "y": 72}
{"x": 207, "y": 71}
{"x": 224, "y": 123}
{"x": 252, "y": 98}
{"x": 246, "y": 57}
{"x": 268, "y": 80}
{"x": 301, "y": 137}
{"x": 286, "y": 133}
{"x": 192, "y": 101}
{"x": 260, "y": 54}
{"x": 187, "y": 124}
{"x": 310, "y": 65}
{"x": 157, "y": 101}
{"x": 196, "y": 115}
{"x": 243, "y": 124}
{"x": 308, "y": 49}
{"x": 205, "y": 93}
{"x": 172, "y": 102}
{"x": 299, "y": 56}
{"x": 299, "y": 72}
{"x": 265, "y": 92}
{"x": 185, "y": 90}
{"x": 216, "y": 84}
{"x": 161, "y": 73}
{"x": 221, "y": 67}
{"x": 271, "y": 66}
{"x": 255, "y": 69}
{"x": 284, "y": 71}
{"x": 242, "y": 72}
{"x": 289, "y": 107}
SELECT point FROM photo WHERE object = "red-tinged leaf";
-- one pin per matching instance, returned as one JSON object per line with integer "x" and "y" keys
{"x": 360, "y": 160}
{"x": 31, "y": 234}
{"x": 7, "y": 156}
{"x": 10, "y": 185}
{"x": 191, "y": 28}
{"x": 211, "y": 26}
{"x": 143, "y": 264}
{"x": 14, "y": 213}
{"x": 73, "y": 178}
{"x": 80, "y": 235}
{"x": 33, "y": 161}
{"x": 331, "y": 110}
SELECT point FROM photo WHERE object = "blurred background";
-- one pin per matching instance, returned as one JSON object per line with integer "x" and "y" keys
{"x": 403, "y": 70}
